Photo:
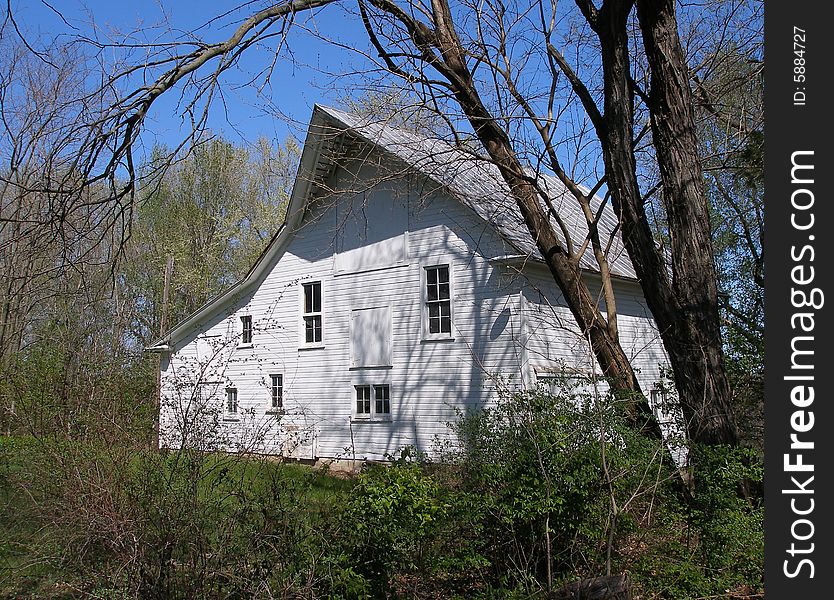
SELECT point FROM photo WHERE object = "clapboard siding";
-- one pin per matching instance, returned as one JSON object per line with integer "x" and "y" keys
{"x": 429, "y": 379}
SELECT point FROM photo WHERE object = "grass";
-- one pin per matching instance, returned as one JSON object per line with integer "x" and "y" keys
{"x": 69, "y": 514}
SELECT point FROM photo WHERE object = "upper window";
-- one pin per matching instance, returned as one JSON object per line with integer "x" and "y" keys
{"x": 246, "y": 325}
{"x": 373, "y": 401}
{"x": 277, "y": 390}
{"x": 231, "y": 401}
{"x": 312, "y": 314}
{"x": 437, "y": 306}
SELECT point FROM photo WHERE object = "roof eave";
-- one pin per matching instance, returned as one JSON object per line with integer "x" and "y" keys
{"x": 295, "y": 210}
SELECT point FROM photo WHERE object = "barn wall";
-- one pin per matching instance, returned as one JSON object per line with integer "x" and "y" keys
{"x": 404, "y": 225}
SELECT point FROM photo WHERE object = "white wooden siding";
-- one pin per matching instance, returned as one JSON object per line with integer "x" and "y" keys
{"x": 429, "y": 379}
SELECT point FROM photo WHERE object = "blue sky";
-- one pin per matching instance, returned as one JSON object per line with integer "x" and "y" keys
{"x": 296, "y": 84}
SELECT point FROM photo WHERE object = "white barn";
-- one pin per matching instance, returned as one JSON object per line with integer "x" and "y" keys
{"x": 402, "y": 288}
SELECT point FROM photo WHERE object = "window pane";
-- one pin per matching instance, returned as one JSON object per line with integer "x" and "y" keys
{"x": 445, "y": 325}
{"x": 277, "y": 391}
{"x": 231, "y": 400}
{"x": 443, "y": 274}
{"x": 312, "y": 297}
{"x": 316, "y": 297}
{"x": 363, "y": 399}
{"x": 312, "y": 329}
{"x": 434, "y": 324}
{"x": 382, "y": 398}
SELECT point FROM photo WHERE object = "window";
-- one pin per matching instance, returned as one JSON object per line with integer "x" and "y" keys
{"x": 277, "y": 389}
{"x": 382, "y": 398}
{"x": 363, "y": 400}
{"x": 662, "y": 405}
{"x": 246, "y": 325}
{"x": 312, "y": 315}
{"x": 373, "y": 401}
{"x": 581, "y": 388}
{"x": 438, "y": 302}
{"x": 231, "y": 401}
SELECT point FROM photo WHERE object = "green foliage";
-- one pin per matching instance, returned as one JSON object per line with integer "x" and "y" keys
{"x": 711, "y": 544}
{"x": 411, "y": 532}
{"x": 547, "y": 468}
{"x": 536, "y": 480}
{"x": 730, "y": 523}
{"x": 55, "y": 387}
{"x": 124, "y": 522}
{"x": 214, "y": 211}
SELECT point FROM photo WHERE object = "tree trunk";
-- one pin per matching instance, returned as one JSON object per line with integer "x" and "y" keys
{"x": 564, "y": 268}
{"x": 684, "y": 307}
{"x": 694, "y": 334}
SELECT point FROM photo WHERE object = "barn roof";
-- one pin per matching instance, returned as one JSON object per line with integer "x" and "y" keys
{"x": 478, "y": 184}
{"x": 470, "y": 179}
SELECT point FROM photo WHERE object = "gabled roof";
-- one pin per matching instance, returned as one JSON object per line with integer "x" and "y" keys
{"x": 470, "y": 179}
{"x": 478, "y": 184}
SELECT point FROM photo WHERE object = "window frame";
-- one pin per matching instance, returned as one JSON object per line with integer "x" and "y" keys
{"x": 371, "y": 401}
{"x": 661, "y": 404}
{"x": 276, "y": 392}
{"x": 228, "y": 413}
{"x": 246, "y": 326}
{"x": 425, "y": 327}
{"x": 304, "y": 315}
{"x": 577, "y": 382}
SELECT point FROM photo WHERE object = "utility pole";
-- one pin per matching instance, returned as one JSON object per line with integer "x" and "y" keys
{"x": 163, "y": 329}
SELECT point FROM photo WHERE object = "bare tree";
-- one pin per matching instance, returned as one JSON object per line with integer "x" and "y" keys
{"x": 496, "y": 69}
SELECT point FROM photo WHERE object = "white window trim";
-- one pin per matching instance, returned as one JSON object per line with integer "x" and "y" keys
{"x": 227, "y": 414}
{"x": 271, "y": 408}
{"x": 249, "y": 344}
{"x": 303, "y": 344}
{"x": 565, "y": 377}
{"x": 373, "y": 417}
{"x": 424, "y": 313}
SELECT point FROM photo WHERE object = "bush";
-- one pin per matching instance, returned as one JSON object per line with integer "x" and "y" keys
{"x": 712, "y": 543}
{"x": 554, "y": 473}
{"x": 412, "y": 535}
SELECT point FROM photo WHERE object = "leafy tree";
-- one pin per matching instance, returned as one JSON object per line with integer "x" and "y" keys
{"x": 213, "y": 212}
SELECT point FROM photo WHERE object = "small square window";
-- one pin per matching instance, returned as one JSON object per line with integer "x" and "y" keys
{"x": 373, "y": 401}
{"x": 246, "y": 325}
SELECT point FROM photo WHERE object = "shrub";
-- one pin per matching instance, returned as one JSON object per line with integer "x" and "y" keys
{"x": 555, "y": 474}
{"x": 414, "y": 535}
